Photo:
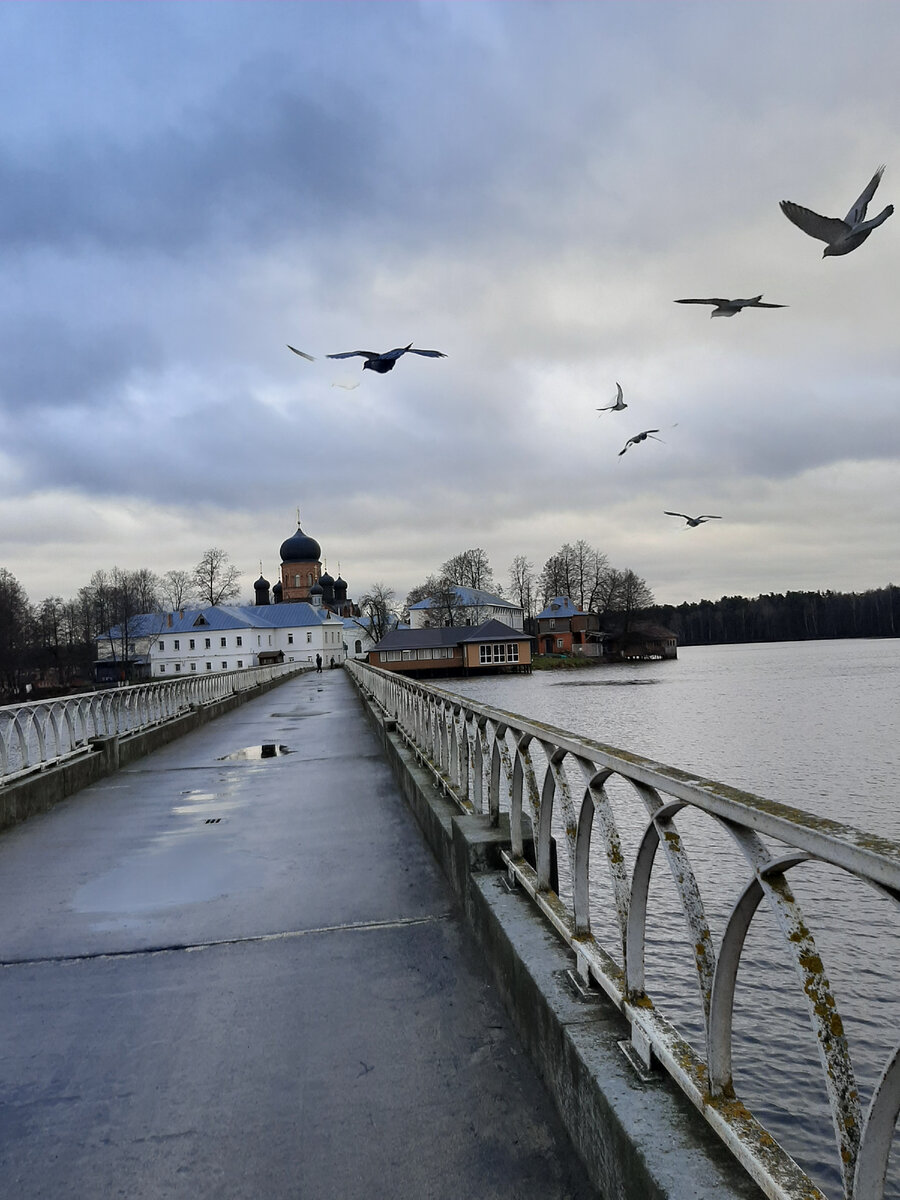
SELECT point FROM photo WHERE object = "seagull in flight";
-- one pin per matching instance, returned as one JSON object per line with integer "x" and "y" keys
{"x": 729, "y": 308}
{"x": 640, "y": 437}
{"x": 308, "y": 357}
{"x": 841, "y": 236}
{"x": 619, "y": 403}
{"x": 694, "y": 521}
{"x": 383, "y": 363}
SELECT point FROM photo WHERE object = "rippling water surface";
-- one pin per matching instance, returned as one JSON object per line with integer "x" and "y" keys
{"x": 814, "y": 725}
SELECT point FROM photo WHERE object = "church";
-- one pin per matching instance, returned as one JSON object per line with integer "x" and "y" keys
{"x": 303, "y": 581}
{"x": 304, "y": 618}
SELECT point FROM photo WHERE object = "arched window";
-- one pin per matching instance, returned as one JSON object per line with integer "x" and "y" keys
{"x": 358, "y": 649}
{"x": 296, "y": 581}
{"x": 309, "y": 579}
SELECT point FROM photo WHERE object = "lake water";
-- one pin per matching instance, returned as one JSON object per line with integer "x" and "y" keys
{"x": 814, "y": 725}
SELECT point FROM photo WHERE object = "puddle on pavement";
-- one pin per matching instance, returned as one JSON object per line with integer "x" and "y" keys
{"x": 251, "y": 753}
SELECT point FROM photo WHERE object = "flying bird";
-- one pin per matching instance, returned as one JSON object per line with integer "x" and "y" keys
{"x": 694, "y": 521}
{"x": 385, "y": 362}
{"x": 841, "y": 236}
{"x": 640, "y": 437}
{"x": 619, "y": 404}
{"x": 308, "y": 357}
{"x": 728, "y": 308}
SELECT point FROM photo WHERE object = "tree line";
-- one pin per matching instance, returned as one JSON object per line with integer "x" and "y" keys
{"x": 787, "y": 617}
{"x": 56, "y": 639}
{"x": 576, "y": 570}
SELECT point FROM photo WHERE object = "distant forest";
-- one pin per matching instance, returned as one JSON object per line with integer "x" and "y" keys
{"x": 792, "y": 617}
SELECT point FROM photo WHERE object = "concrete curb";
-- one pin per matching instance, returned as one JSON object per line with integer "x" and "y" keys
{"x": 637, "y": 1139}
{"x": 39, "y": 792}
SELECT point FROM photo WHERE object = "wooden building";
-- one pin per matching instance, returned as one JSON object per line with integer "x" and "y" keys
{"x": 488, "y": 649}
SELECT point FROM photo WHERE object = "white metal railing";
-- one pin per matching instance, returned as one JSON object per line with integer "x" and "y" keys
{"x": 556, "y": 786}
{"x": 45, "y": 732}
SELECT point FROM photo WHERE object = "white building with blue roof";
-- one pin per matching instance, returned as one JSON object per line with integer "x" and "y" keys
{"x": 474, "y": 608}
{"x": 224, "y": 638}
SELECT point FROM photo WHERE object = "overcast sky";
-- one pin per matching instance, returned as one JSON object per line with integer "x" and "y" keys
{"x": 186, "y": 188}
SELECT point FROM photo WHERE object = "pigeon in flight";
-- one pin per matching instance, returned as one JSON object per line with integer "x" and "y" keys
{"x": 841, "y": 236}
{"x": 385, "y": 362}
{"x": 693, "y": 521}
{"x": 728, "y": 308}
{"x": 619, "y": 404}
{"x": 640, "y": 437}
{"x": 308, "y": 357}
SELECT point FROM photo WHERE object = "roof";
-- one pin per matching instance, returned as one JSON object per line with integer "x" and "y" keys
{"x": 224, "y": 616}
{"x": 419, "y": 639}
{"x": 560, "y": 606}
{"x": 471, "y": 597}
{"x": 496, "y": 631}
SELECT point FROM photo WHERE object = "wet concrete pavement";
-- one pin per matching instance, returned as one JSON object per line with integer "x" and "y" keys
{"x": 242, "y": 977}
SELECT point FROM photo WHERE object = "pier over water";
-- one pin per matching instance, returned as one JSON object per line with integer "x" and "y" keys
{"x": 227, "y": 975}
{"x": 234, "y": 968}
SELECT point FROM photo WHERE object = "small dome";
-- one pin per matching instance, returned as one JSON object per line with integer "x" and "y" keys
{"x": 262, "y": 582}
{"x": 316, "y": 590}
{"x": 300, "y": 548}
{"x": 326, "y": 580}
{"x": 278, "y": 588}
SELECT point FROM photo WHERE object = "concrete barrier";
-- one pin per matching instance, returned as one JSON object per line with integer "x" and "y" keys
{"x": 639, "y": 1138}
{"x": 36, "y": 793}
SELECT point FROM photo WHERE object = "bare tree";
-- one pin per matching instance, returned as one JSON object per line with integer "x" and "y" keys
{"x": 522, "y": 583}
{"x": 376, "y": 608}
{"x": 15, "y": 628}
{"x": 177, "y": 589}
{"x": 469, "y": 569}
{"x": 446, "y": 608}
{"x": 216, "y": 579}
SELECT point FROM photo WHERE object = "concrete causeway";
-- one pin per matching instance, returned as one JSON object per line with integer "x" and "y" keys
{"x": 247, "y": 977}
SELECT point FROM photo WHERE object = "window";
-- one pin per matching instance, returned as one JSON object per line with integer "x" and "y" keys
{"x": 358, "y": 647}
{"x": 209, "y": 666}
{"x": 224, "y": 666}
{"x": 223, "y": 641}
{"x": 162, "y": 668}
{"x": 178, "y": 666}
{"x": 240, "y": 662}
{"x": 551, "y": 624}
{"x": 559, "y": 643}
{"x": 389, "y": 655}
{"x": 192, "y": 644}
{"x": 407, "y": 655}
{"x": 193, "y": 666}
{"x": 296, "y": 581}
{"x": 290, "y": 639}
{"x": 498, "y": 653}
{"x": 239, "y": 641}
{"x": 207, "y": 643}
{"x": 162, "y": 645}
{"x": 309, "y": 637}
{"x": 131, "y": 647}
{"x": 177, "y": 644}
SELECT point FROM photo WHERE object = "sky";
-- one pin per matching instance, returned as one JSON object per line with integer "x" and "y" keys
{"x": 186, "y": 189}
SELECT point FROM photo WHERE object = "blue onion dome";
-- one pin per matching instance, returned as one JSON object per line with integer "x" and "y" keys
{"x": 326, "y": 580}
{"x": 316, "y": 590}
{"x": 262, "y": 582}
{"x": 300, "y": 548}
{"x": 278, "y": 588}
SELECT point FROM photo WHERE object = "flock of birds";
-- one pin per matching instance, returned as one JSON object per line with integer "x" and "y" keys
{"x": 840, "y": 237}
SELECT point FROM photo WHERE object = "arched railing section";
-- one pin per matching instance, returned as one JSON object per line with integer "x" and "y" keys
{"x": 498, "y": 756}
{"x": 38, "y": 735}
